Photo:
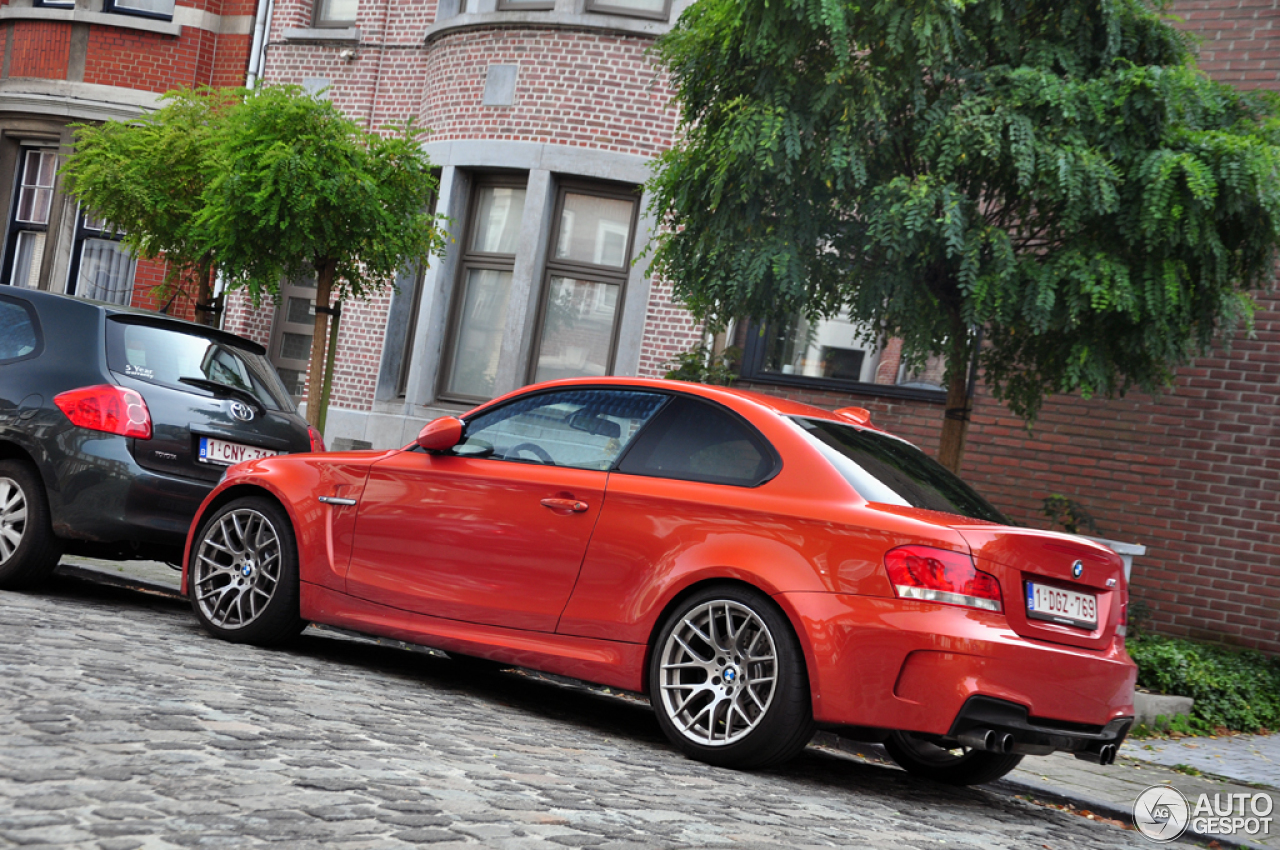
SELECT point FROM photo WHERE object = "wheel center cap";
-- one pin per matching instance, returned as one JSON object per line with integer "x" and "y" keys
{"x": 247, "y": 569}
{"x": 730, "y": 675}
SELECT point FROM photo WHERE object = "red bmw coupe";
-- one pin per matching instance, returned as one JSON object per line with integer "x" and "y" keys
{"x": 758, "y": 567}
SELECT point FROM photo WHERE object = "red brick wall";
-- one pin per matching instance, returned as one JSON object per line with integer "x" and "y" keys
{"x": 1240, "y": 39}
{"x": 669, "y": 329}
{"x": 40, "y": 49}
{"x": 149, "y": 61}
{"x": 149, "y": 292}
{"x": 573, "y": 88}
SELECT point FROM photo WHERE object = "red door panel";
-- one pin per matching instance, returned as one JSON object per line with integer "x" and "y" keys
{"x": 482, "y": 540}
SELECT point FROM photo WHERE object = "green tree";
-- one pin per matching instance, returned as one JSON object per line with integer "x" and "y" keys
{"x": 1056, "y": 173}
{"x": 301, "y": 189}
{"x": 146, "y": 177}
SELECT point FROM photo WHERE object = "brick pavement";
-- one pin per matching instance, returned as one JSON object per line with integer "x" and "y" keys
{"x": 1108, "y": 791}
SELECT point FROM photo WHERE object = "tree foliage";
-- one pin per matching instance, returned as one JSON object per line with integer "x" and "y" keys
{"x": 266, "y": 185}
{"x": 1056, "y": 172}
{"x": 147, "y": 177}
{"x": 300, "y": 186}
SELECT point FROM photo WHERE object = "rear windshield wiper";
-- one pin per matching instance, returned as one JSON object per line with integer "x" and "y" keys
{"x": 227, "y": 390}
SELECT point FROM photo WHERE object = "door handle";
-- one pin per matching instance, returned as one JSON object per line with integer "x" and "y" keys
{"x": 565, "y": 505}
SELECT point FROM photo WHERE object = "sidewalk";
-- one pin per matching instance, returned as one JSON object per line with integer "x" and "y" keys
{"x": 1242, "y": 764}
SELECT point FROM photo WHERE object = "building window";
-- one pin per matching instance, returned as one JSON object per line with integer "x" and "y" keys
{"x": 656, "y": 9}
{"x": 335, "y": 13}
{"x": 29, "y": 221}
{"x": 583, "y": 283}
{"x": 55, "y": 4}
{"x": 101, "y": 268}
{"x": 479, "y": 310}
{"x": 162, "y": 9}
{"x": 292, "y": 332}
{"x": 835, "y": 353}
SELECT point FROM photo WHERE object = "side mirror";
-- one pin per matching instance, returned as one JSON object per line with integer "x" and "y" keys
{"x": 440, "y": 435}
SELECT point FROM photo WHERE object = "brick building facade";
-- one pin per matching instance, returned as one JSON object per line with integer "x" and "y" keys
{"x": 70, "y": 61}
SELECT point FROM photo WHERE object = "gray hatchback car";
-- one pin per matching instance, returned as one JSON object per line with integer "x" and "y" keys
{"x": 115, "y": 424}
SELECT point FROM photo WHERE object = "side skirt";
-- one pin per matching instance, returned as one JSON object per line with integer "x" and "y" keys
{"x": 612, "y": 663}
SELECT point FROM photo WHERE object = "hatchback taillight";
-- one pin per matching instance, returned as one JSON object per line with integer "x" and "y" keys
{"x": 941, "y": 575}
{"x": 317, "y": 439}
{"x": 109, "y": 408}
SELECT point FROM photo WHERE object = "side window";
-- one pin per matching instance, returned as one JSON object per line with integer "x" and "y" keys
{"x": 693, "y": 440}
{"x": 583, "y": 429}
{"x": 18, "y": 336}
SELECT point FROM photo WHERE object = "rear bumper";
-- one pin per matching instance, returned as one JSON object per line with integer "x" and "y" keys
{"x": 993, "y": 724}
{"x": 922, "y": 667}
{"x": 102, "y": 495}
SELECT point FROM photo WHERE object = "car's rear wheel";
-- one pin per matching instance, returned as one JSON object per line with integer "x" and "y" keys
{"x": 727, "y": 680}
{"x": 243, "y": 580}
{"x": 28, "y": 549}
{"x": 920, "y": 756}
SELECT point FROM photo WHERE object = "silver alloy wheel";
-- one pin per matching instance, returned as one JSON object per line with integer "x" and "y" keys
{"x": 719, "y": 670}
{"x": 13, "y": 517}
{"x": 237, "y": 568}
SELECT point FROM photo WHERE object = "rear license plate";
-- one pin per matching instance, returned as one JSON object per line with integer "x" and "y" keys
{"x": 1045, "y": 602}
{"x": 226, "y": 453}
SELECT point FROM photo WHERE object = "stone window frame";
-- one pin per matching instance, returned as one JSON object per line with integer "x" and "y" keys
{"x": 604, "y": 7}
{"x": 319, "y": 22}
{"x": 468, "y": 261}
{"x": 121, "y": 7}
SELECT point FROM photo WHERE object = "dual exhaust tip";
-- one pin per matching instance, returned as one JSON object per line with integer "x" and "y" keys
{"x": 1106, "y": 754}
{"x": 992, "y": 741}
{"x": 987, "y": 739}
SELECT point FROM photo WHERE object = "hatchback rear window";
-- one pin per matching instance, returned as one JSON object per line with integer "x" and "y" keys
{"x": 165, "y": 355}
{"x": 891, "y": 471}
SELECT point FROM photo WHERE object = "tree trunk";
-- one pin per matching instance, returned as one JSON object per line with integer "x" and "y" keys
{"x": 955, "y": 423}
{"x": 328, "y": 366}
{"x": 205, "y": 313}
{"x": 319, "y": 338}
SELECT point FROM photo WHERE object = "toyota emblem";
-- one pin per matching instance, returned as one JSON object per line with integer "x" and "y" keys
{"x": 241, "y": 411}
{"x": 1077, "y": 569}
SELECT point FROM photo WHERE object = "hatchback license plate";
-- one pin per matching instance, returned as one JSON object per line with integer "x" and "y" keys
{"x": 1045, "y": 602}
{"x": 226, "y": 453}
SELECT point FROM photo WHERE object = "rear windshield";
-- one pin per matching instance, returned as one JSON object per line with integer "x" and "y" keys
{"x": 164, "y": 355}
{"x": 891, "y": 471}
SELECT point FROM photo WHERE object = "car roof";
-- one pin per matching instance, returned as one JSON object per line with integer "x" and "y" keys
{"x": 136, "y": 315}
{"x": 774, "y": 404}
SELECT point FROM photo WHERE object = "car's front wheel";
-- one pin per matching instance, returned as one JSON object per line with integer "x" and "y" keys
{"x": 243, "y": 579}
{"x": 28, "y": 549}
{"x": 727, "y": 680}
{"x": 920, "y": 756}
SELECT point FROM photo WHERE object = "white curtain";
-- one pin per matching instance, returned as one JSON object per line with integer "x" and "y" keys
{"x": 106, "y": 272}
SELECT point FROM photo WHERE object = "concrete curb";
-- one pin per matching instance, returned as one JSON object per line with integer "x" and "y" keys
{"x": 123, "y": 581}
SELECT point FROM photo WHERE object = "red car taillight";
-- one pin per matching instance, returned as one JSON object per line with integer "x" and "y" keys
{"x": 941, "y": 575}
{"x": 1123, "y": 629}
{"x": 317, "y": 439}
{"x": 109, "y": 408}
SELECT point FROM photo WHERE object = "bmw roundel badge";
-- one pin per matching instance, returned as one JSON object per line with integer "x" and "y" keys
{"x": 1077, "y": 569}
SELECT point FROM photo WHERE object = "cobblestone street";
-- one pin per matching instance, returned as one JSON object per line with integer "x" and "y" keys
{"x": 125, "y": 726}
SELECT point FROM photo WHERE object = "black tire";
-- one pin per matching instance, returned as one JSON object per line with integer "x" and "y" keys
{"x": 720, "y": 646}
{"x": 920, "y": 757}
{"x": 243, "y": 581}
{"x": 28, "y": 548}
